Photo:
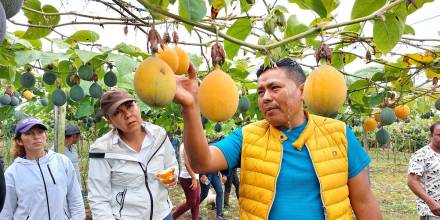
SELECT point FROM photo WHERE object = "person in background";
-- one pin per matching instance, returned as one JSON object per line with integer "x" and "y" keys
{"x": 214, "y": 179}
{"x": 2, "y": 183}
{"x": 292, "y": 164}
{"x": 72, "y": 135}
{"x": 424, "y": 176}
{"x": 231, "y": 178}
{"x": 176, "y": 145}
{"x": 40, "y": 184}
{"x": 124, "y": 164}
{"x": 190, "y": 185}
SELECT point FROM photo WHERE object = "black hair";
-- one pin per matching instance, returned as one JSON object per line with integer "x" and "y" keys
{"x": 293, "y": 70}
{"x": 431, "y": 129}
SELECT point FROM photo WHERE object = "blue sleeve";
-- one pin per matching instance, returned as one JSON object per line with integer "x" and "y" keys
{"x": 358, "y": 159}
{"x": 230, "y": 146}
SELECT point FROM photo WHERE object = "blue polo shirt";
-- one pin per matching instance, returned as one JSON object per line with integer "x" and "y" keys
{"x": 297, "y": 189}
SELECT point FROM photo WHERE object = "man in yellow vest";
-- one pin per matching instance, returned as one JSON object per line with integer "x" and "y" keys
{"x": 293, "y": 165}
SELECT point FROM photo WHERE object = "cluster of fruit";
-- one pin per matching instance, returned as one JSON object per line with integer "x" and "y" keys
{"x": 386, "y": 116}
{"x": 8, "y": 8}
{"x": 155, "y": 80}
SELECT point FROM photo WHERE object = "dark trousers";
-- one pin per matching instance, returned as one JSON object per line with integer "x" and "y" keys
{"x": 232, "y": 179}
{"x": 192, "y": 200}
{"x": 429, "y": 217}
{"x": 217, "y": 184}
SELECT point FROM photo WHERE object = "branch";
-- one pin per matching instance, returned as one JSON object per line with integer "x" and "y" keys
{"x": 76, "y": 14}
{"x": 76, "y": 23}
{"x": 375, "y": 15}
{"x": 196, "y": 24}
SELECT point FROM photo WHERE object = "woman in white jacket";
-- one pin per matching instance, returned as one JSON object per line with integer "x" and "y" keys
{"x": 40, "y": 184}
{"x": 124, "y": 162}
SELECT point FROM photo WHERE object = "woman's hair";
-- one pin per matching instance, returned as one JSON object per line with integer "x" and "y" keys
{"x": 18, "y": 150}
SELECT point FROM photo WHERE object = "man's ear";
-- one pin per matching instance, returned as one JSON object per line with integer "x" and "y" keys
{"x": 301, "y": 89}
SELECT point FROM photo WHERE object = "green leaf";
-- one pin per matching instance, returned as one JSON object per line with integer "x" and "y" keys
{"x": 124, "y": 64}
{"x": 340, "y": 59}
{"x": 322, "y": 7}
{"x": 363, "y": 8}
{"x": 358, "y": 97}
{"x": 192, "y": 9}
{"x": 27, "y": 56}
{"x": 85, "y": 56}
{"x": 240, "y": 30}
{"x": 359, "y": 85}
{"x": 419, "y": 4}
{"x": 85, "y": 109}
{"x": 280, "y": 8}
{"x": 39, "y": 19}
{"x": 36, "y": 43}
{"x": 294, "y": 27}
{"x": 196, "y": 60}
{"x": 376, "y": 99}
{"x": 125, "y": 81}
{"x": 238, "y": 74}
{"x": 84, "y": 36}
{"x": 49, "y": 57}
{"x": 60, "y": 43}
{"x": 409, "y": 30}
{"x": 163, "y": 4}
{"x": 7, "y": 72}
{"x": 404, "y": 83}
{"x": 387, "y": 33}
{"x": 245, "y": 6}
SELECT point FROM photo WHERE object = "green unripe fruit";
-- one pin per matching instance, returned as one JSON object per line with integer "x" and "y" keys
{"x": 14, "y": 101}
{"x": 44, "y": 102}
{"x": 110, "y": 79}
{"x": 49, "y": 77}
{"x": 382, "y": 137}
{"x": 218, "y": 127}
{"x": 243, "y": 104}
{"x": 269, "y": 24}
{"x": 11, "y": 7}
{"x": 387, "y": 116}
{"x": 85, "y": 72}
{"x": 437, "y": 104}
{"x": 95, "y": 90}
{"x": 5, "y": 99}
{"x": 76, "y": 93}
{"x": 59, "y": 97}
{"x": 27, "y": 80}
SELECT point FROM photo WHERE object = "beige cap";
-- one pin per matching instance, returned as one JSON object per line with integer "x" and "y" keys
{"x": 113, "y": 98}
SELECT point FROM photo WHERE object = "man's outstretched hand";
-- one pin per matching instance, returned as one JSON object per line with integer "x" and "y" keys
{"x": 187, "y": 88}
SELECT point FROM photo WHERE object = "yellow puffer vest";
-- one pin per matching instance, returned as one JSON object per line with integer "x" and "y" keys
{"x": 261, "y": 158}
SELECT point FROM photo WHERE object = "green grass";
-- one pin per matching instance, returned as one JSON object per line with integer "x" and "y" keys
{"x": 388, "y": 173}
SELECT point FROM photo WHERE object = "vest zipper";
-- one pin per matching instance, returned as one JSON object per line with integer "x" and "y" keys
{"x": 148, "y": 189}
{"x": 276, "y": 179}
{"x": 320, "y": 186}
{"x": 45, "y": 188}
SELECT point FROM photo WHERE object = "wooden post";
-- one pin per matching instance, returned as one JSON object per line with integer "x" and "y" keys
{"x": 60, "y": 122}
{"x": 365, "y": 145}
